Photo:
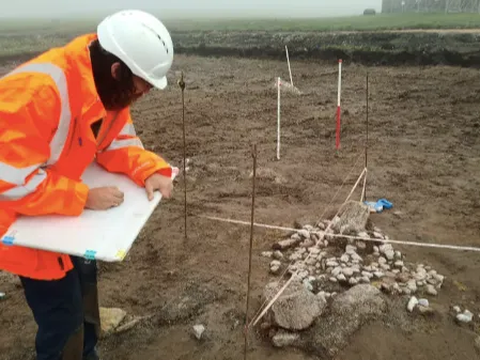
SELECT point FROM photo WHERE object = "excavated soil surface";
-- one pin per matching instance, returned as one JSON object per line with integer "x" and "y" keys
{"x": 424, "y": 157}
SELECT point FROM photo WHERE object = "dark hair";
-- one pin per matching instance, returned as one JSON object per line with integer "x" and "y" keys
{"x": 115, "y": 93}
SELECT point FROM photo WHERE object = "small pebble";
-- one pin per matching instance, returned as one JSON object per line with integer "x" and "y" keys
{"x": 377, "y": 235}
{"x": 398, "y": 264}
{"x": 423, "y": 302}
{"x": 353, "y": 281}
{"x": 457, "y": 309}
{"x": 378, "y": 274}
{"x": 361, "y": 245}
{"x": 333, "y": 279}
{"x": 431, "y": 290}
{"x": 278, "y": 255}
{"x": 412, "y": 285}
{"x": 267, "y": 254}
{"x": 341, "y": 278}
{"x": 376, "y": 249}
{"x": 307, "y": 285}
{"x": 314, "y": 250}
{"x": 390, "y": 254}
{"x": 382, "y": 260}
{"x": 465, "y": 317}
{"x": 412, "y": 303}
{"x": 332, "y": 264}
{"x": 337, "y": 271}
{"x": 198, "y": 330}
{"x": 345, "y": 258}
{"x": 350, "y": 249}
{"x": 367, "y": 274}
{"x": 398, "y": 255}
{"x": 304, "y": 234}
{"x": 347, "y": 272}
{"x": 365, "y": 280}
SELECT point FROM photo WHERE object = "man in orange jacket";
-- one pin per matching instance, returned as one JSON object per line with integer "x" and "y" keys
{"x": 59, "y": 112}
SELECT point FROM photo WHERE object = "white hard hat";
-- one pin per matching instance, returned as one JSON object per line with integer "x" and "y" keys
{"x": 141, "y": 41}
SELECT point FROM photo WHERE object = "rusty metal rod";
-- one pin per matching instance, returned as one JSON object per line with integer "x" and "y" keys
{"x": 181, "y": 83}
{"x": 252, "y": 226}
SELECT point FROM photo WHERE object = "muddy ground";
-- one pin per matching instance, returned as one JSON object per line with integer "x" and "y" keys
{"x": 424, "y": 156}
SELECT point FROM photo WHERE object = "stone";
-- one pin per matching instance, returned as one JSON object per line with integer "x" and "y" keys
{"x": 382, "y": 260}
{"x": 337, "y": 271}
{"x": 412, "y": 285}
{"x": 367, "y": 274}
{"x": 359, "y": 305}
{"x": 277, "y": 255}
{"x": 398, "y": 264}
{"x": 361, "y": 245}
{"x": 296, "y": 308}
{"x": 353, "y": 281}
{"x": 347, "y": 272}
{"x": 267, "y": 254}
{"x": 198, "y": 331}
{"x": 285, "y": 244}
{"x": 425, "y": 310}
{"x": 457, "y": 309}
{"x": 333, "y": 279}
{"x": 378, "y": 274}
{"x": 398, "y": 255}
{"x": 285, "y": 339}
{"x": 295, "y": 257}
{"x": 423, "y": 302}
{"x": 465, "y": 317}
{"x": 356, "y": 258}
{"x": 431, "y": 290}
{"x": 389, "y": 254}
{"x": 332, "y": 263}
{"x": 308, "y": 285}
{"x": 378, "y": 235}
{"x": 111, "y": 318}
{"x": 350, "y": 249}
{"x": 412, "y": 303}
{"x": 376, "y": 249}
{"x": 364, "y": 235}
{"x": 314, "y": 250}
{"x": 345, "y": 258}
{"x": 353, "y": 218}
{"x": 365, "y": 280}
{"x": 341, "y": 278}
{"x": 385, "y": 267}
{"x": 305, "y": 234}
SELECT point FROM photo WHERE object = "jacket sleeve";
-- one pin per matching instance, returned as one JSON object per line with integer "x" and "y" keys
{"x": 126, "y": 154}
{"x": 28, "y": 119}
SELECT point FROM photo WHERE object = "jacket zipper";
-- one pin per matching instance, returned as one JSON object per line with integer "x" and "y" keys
{"x": 99, "y": 142}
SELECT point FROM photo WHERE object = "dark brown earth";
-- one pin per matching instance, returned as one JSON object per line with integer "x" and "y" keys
{"x": 424, "y": 156}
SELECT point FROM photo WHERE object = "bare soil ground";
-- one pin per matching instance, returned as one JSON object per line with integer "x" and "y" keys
{"x": 424, "y": 157}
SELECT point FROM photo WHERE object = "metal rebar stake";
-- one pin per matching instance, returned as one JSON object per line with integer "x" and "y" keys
{"x": 181, "y": 83}
{"x": 254, "y": 156}
{"x": 366, "y": 140}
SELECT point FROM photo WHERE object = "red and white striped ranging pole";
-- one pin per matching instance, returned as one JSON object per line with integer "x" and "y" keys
{"x": 337, "y": 145}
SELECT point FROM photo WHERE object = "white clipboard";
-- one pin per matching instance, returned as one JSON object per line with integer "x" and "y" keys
{"x": 101, "y": 235}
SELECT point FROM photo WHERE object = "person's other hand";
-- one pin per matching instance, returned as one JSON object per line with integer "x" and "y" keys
{"x": 103, "y": 198}
{"x": 159, "y": 182}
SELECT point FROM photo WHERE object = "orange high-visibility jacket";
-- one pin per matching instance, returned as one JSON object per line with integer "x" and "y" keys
{"x": 46, "y": 108}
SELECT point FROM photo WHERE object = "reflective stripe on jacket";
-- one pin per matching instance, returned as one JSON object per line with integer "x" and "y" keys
{"x": 47, "y": 106}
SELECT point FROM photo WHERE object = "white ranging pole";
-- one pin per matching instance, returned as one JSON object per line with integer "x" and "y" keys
{"x": 278, "y": 118}
{"x": 289, "y": 68}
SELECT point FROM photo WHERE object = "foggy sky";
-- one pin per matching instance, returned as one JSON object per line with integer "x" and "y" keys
{"x": 188, "y": 8}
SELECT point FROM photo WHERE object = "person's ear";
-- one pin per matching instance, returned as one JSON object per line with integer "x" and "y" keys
{"x": 115, "y": 70}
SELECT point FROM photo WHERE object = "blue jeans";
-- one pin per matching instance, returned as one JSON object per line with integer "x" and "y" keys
{"x": 66, "y": 312}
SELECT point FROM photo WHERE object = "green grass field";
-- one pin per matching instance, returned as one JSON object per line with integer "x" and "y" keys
{"x": 31, "y": 35}
{"x": 351, "y": 23}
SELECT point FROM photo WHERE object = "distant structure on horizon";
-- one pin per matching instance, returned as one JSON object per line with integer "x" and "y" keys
{"x": 431, "y": 6}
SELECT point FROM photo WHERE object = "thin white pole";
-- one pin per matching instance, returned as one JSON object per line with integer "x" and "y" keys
{"x": 289, "y": 68}
{"x": 278, "y": 118}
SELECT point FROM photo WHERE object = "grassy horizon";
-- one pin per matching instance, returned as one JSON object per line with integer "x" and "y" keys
{"x": 19, "y": 36}
{"x": 378, "y": 22}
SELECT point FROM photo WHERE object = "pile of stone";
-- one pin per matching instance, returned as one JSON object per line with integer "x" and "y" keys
{"x": 322, "y": 258}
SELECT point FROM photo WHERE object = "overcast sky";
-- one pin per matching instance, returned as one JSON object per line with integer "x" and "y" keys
{"x": 232, "y": 8}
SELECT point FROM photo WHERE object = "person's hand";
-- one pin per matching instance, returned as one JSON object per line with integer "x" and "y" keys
{"x": 159, "y": 182}
{"x": 103, "y": 198}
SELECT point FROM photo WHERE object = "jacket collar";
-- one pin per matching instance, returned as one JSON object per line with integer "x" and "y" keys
{"x": 92, "y": 108}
